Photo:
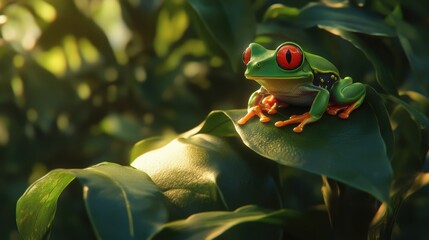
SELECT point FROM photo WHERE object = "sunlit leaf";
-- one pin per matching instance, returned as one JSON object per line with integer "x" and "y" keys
{"x": 349, "y": 19}
{"x": 351, "y": 151}
{"x": 114, "y": 196}
{"x": 205, "y": 173}
{"x": 210, "y": 225}
{"x": 147, "y": 145}
{"x": 36, "y": 208}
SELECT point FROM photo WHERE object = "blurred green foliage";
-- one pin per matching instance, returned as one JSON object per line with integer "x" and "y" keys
{"x": 82, "y": 80}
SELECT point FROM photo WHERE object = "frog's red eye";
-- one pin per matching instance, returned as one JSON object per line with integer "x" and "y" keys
{"x": 247, "y": 54}
{"x": 289, "y": 57}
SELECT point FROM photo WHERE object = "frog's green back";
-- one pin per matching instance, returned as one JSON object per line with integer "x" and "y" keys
{"x": 320, "y": 64}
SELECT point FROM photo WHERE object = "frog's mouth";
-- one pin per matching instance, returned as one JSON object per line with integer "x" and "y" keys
{"x": 258, "y": 78}
{"x": 283, "y": 85}
{"x": 282, "y": 80}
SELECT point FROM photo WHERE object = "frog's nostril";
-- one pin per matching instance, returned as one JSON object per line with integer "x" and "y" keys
{"x": 258, "y": 65}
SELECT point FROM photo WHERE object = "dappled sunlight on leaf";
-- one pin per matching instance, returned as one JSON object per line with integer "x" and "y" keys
{"x": 44, "y": 10}
{"x": 121, "y": 126}
{"x": 73, "y": 55}
{"x": 108, "y": 17}
{"x": 172, "y": 24}
{"x": 89, "y": 52}
{"x": 53, "y": 60}
{"x": 20, "y": 27}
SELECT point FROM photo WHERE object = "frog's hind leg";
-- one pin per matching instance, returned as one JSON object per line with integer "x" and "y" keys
{"x": 347, "y": 97}
{"x": 317, "y": 109}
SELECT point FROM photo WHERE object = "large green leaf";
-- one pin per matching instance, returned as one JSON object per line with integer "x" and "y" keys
{"x": 413, "y": 38}
{"x": 349, "y": 19}
{"x": 351, "y": 151}
{"x": 204, "y": 173}
{"x": 375, "y": 53}
{"x": 122, "y": 202}
{"x": 210, "y": 225}
{"x": 147, "y": 145}
{"x": 226, "y": 26}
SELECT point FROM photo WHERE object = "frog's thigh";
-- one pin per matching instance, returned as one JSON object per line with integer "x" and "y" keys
{"x": 320, "y": 104}
{"x": 345, "y": 91}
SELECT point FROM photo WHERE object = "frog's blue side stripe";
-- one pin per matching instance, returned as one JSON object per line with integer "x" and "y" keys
{"x": 324, "y": 80}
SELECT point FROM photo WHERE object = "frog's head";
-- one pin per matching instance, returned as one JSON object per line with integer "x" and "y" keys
{"x": 287, "y": 62}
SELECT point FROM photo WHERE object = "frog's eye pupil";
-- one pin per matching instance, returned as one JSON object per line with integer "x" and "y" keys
{"x": 247, "y": 54}
{"x": 289, "y": 57}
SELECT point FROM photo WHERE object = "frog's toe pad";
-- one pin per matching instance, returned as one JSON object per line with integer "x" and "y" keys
{"x": 272, "y": 111}
{"x": 343, "y": 115}
{"x": 332, "y": 112}
{"x": 280, "y": 124}
{"x": 264, "y": 119}
{"x": 298, "y": 129}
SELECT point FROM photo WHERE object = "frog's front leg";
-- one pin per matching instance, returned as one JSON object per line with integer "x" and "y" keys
{"x": 318, "y": 107}
{"x": 270, "y": 104}
{"x": 347, "y": 96}
{"x": 257, "y": 104}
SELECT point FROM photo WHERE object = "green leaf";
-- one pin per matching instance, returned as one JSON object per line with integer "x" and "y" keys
{"x": 411, "y": 144}
{"x": 114, "y": 196}
{"x": 375, "y": 53}
{"x": 349, "y": 19}
{"x": 204, "y": 173}
{"x": 351, "y": 151}
{"x": 35, "y": 210}
{"x": 413, "y": 38}
{"x": 121, "y": 126}
{"x": 350, "y": 210}
{"x": 376, "y": 103}
{"x": 210, "y": 225}
{"x": 45, "y": 96}
{"x": 147, "y": 145}
{"x": 226, "y": 26}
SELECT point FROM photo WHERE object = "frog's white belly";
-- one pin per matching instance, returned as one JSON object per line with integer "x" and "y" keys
{"x": 290, "y": 91}
{"x": 305, "y": 99}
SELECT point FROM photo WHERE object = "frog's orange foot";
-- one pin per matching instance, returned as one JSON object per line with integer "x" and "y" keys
{"x": 256, "y": 110}
{"x": 302, "y": 119}
{"x": 335, "y": 109}
{"x": 270, "y": 104}
{"x": 344, "y": 109}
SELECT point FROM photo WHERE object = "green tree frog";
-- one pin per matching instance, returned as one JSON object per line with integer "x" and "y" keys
{"x": 288, "y": 75}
